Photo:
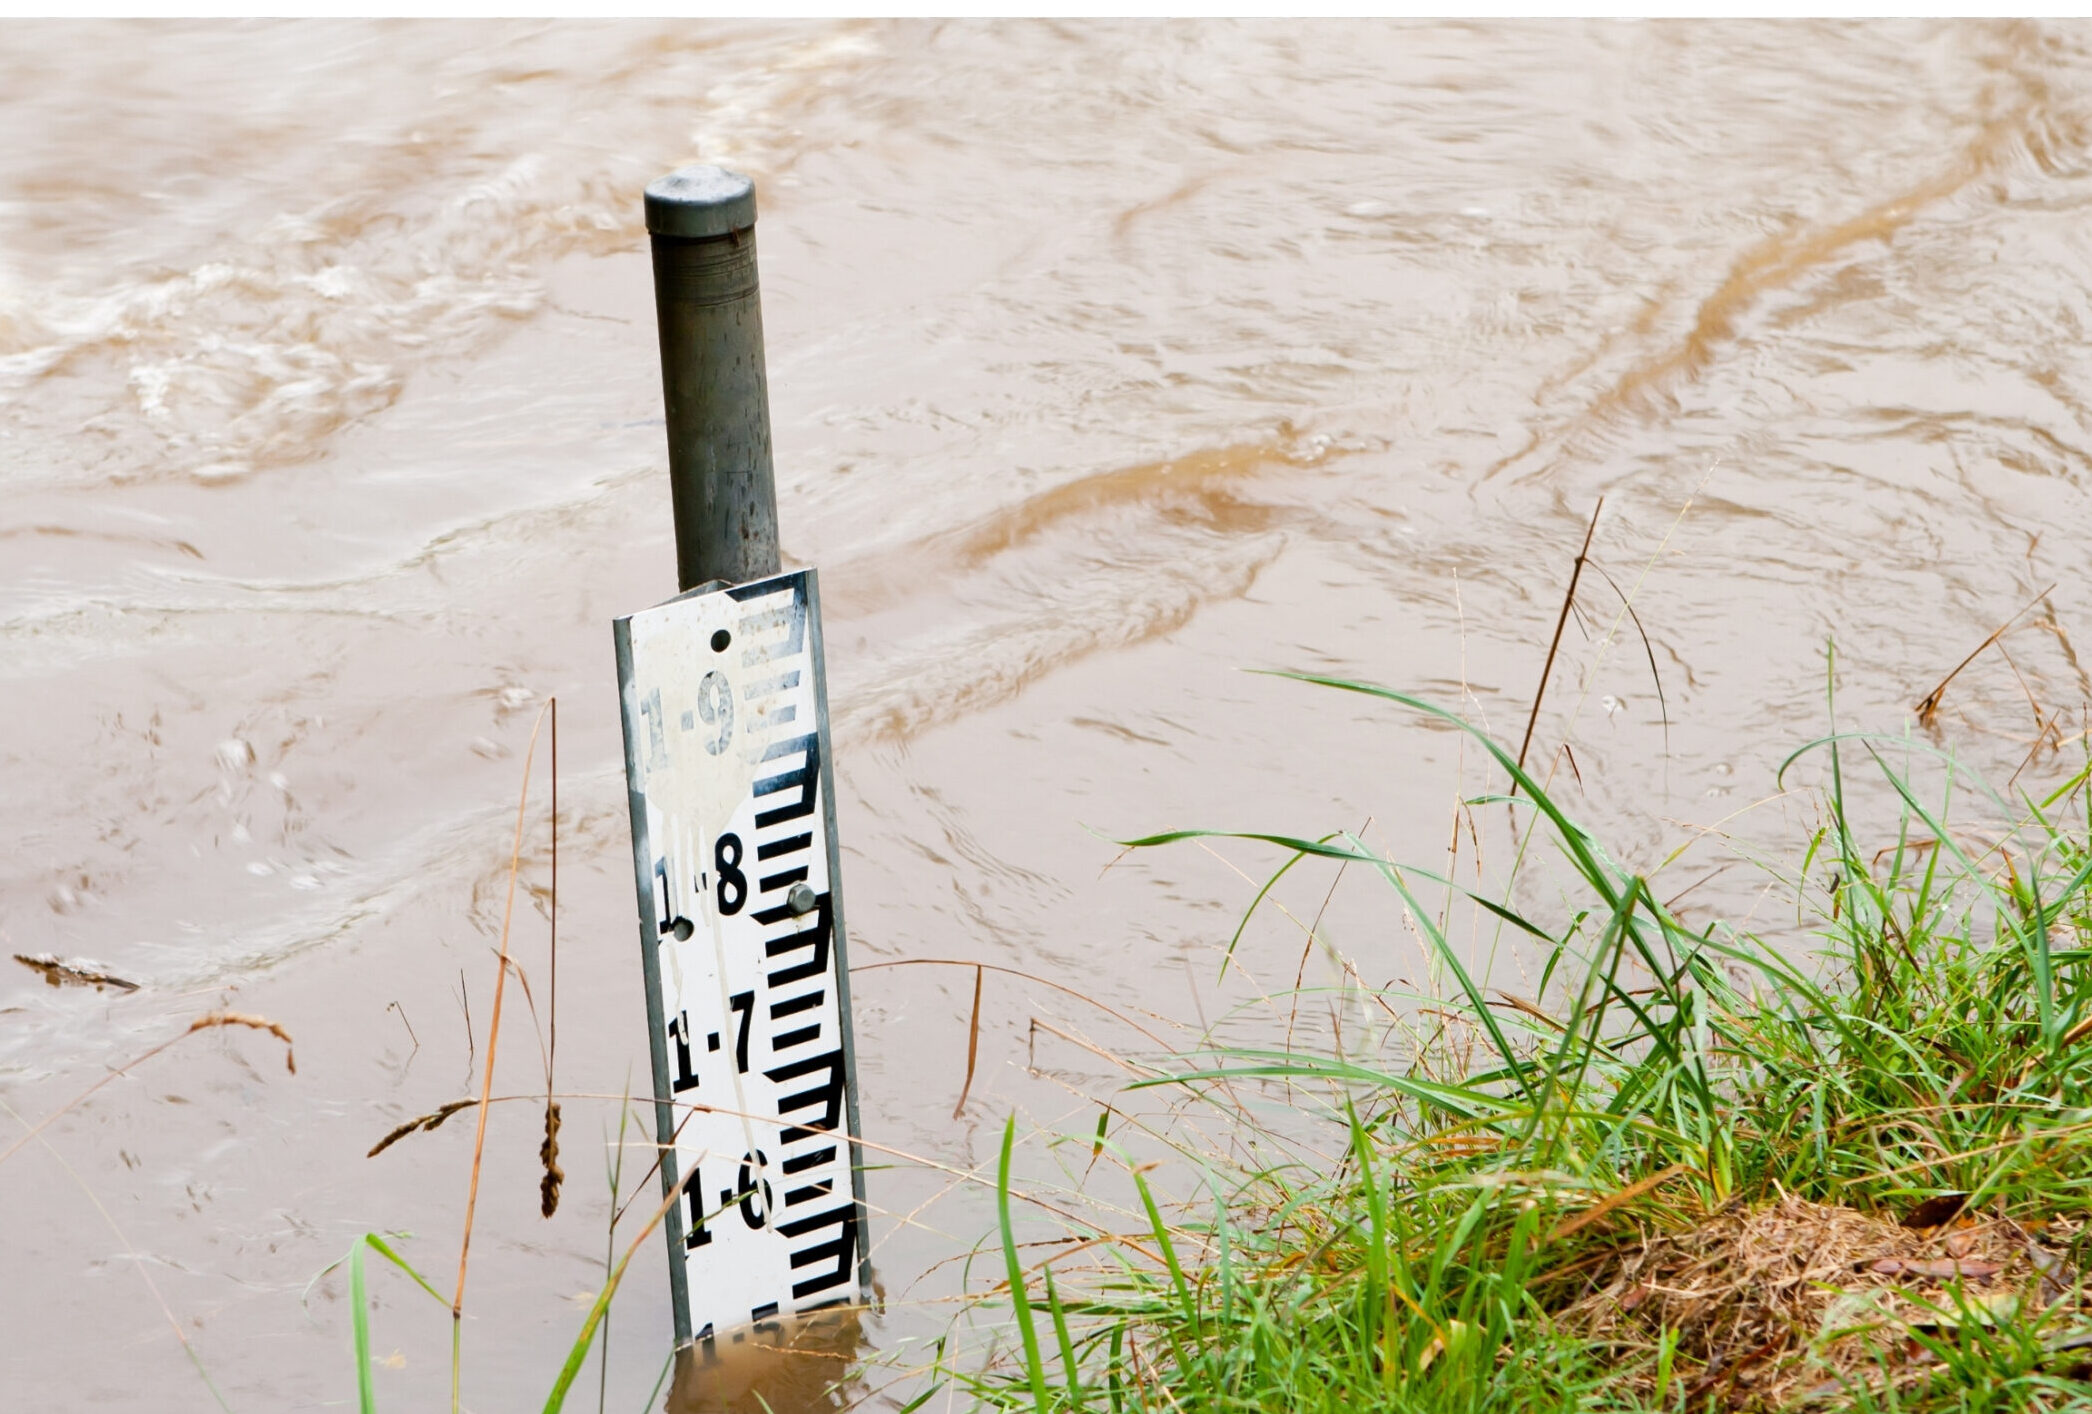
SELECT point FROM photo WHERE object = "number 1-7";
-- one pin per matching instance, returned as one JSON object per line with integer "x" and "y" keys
{"x": 744, "y": 1003}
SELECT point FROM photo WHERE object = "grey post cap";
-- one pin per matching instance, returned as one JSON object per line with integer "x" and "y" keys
{"x": 697, "y": 202}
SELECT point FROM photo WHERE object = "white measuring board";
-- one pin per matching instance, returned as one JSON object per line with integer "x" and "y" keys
{"x": 741, "y": 929}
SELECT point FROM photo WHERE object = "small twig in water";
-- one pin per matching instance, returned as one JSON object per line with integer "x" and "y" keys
{"x": 395, "y": 1006}
{"x": 1555, "y": 643}
{"x": 973, "y": 1043}
{"x": 471, "y": 1045}
{"x": 1670, "y": 902}
{"x": 1928, "y": 708}
{"x": 2033, "y": 703}
{"x": 548, "y": 1152}
{"x": 2047, "y": 735}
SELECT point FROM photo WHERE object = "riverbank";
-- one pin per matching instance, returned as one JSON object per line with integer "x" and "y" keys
{"x": 1691, "y": 1170}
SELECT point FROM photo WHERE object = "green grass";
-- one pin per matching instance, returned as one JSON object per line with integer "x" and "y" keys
{"x": 1452, "y": 1223}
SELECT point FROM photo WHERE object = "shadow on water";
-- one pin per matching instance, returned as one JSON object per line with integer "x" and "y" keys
{"x": 805, "y": 1365}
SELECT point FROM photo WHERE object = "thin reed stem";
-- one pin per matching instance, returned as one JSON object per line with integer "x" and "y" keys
{"x": 1554, "y": 644}
{"x": 486, "y": 1089}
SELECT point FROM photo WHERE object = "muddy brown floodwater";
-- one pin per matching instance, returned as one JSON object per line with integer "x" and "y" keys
{"x": 1107, "y": 361}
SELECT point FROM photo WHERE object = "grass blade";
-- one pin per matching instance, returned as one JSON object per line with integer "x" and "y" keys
{"x": 1034, "y": 1365}
{"x": 359, "y": 1323}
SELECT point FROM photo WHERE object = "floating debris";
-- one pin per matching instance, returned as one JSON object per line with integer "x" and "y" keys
{"x": 423, "y": 1122}
{"x": 258, "y": 1023}
{"x": 73, "y": 971}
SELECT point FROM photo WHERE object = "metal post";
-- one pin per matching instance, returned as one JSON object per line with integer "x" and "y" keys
{"x": 707, "y": 297}
{"x": 699, "y": 809}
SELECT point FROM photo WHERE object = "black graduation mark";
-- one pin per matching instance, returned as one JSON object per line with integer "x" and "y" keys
{"x": 813, "y": 1190}
{"x": 789, "y": 616}
{"x": 841, "y": 1249}
{"x": 806, "y": 780}
{"x": 827, "y": 1093}
{"x": 797, "y": 1004}
{"x": 790, "y": 844}
{"x": 815, "y": 937}
{"x": 800, "y": 1163}
{"x": 770, "y": 686}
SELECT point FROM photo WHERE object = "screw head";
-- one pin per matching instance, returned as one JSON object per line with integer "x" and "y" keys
{"x": 801, "y": 899}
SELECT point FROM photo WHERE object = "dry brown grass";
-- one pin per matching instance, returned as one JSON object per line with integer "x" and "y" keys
{"x": 1796, "y": 1300}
